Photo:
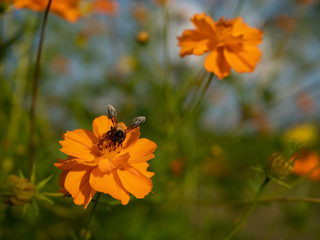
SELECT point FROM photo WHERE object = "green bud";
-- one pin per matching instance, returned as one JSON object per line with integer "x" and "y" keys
{"x": 279, "y": 165}
{"x": 19, "y": 190}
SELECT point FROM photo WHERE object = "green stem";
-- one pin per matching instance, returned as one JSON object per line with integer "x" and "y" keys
{"x": 90, "y": 217}
{"x": 166, "y": 51}
{"x": 205, "y": 88}
{"x": 35, "y": 84}
{"x": 248, "y": 211}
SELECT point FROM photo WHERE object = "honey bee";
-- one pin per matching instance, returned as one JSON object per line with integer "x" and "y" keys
{"x": 117, "y": 134}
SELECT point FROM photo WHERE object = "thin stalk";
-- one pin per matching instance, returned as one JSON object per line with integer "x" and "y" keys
{"x": 248, "y": 211}
{"x": 34, "y": 97}
{"x": 90, "y": 217}
{"x": 203, "y": 92}
{"x": 166, "y": 51}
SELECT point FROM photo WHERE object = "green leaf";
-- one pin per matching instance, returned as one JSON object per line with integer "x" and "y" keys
{"x": 21, "y": 174}
{"x": 25, "y": 209}
{"x": 43, "y": 182}
{"x": 45, "y": 199}
{"x": 280, "y": 182}
{"x": 35, "y": 207}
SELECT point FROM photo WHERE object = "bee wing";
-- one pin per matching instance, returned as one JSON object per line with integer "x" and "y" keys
{"x": 136, "y": 122}
{"x": 113, "y": 114}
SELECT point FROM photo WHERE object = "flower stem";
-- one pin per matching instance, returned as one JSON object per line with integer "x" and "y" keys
{"x": 34, "y": 96}
{"x": 166, "y": 50}
{"x": 248, "y": 211}
{"x": 203, "y": 92}
{"x": 90, "y": 217}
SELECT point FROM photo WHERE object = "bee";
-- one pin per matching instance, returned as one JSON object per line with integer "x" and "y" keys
{"x": 117, "y": 134}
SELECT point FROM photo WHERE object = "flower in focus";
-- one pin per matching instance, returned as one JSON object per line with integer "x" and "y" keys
{"x": 93, "y": 165}
{"x": 308, "y": 162}
{"x": 229, "y": 44}
{"x": 67, "y": 9}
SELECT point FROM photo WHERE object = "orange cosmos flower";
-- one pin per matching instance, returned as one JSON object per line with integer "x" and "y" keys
{"x": 229, "y": 44}
{"x": 93, "y": 165}
{"x": 67, "y": 9}
{"x": 307, "y": 162}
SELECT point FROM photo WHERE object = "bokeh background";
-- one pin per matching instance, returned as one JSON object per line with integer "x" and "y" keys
{"x": 203, "y": 165}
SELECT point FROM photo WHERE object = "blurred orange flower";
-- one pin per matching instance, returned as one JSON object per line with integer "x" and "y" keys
{"x": 67, "y": 9}
{"x": 95, "y": 166}
{"x": 305, "y": 163}
{"x": 230, "y": 44}
{"x": 108, "y": 7}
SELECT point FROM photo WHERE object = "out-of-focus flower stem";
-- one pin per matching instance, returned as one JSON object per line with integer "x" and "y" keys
{"x": 83, "y": 236}
{"x": 166, "y": 56}
{"x": 203, "y": 92}
{"x": 248, "y": 211}
{"x": 34, "y": 96}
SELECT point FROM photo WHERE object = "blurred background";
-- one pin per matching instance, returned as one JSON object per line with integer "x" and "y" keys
{"x": 128, "y": 57}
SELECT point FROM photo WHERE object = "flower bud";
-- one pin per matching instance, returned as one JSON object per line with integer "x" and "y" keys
{"x": 279, "y": 166}
{"x": 142, "y": 37}
{"x": 21, "y": 190}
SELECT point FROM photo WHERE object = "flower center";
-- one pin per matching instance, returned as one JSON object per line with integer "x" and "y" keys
{"x": 111, "y": 141}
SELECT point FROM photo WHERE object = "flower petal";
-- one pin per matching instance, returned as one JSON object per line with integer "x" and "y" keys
{"x": 66, "y": 164}
{"x": 131, "y": 137}
{"x": 216, "y": 63}
{"x": 77, "y": 184}
{"x": 80, "y": 143}
{"x": 142, "y": 151}
{"x": 101, "y": 125}
{"x": 204, "y": 23}
{"x": 244, "y": 60}
{"x": 250, "y": 35}
{"x": 142, "y": 167}
{"x": 198, "y": 41}
{"x": 135, "y": 182}
{"x": 109, "y": 184}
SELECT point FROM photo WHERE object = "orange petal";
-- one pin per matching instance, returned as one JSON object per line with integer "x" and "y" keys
{"x": 101, "y": 125}
{"x": 135, "y": 182}
{"x": 77, "y": 184}
{"x": 80, "y": 143}
{"x": 66, "y": 164}
{"x": 250, "y": 35}
{"x": 109, "y": 184}
{"x": 142, "y": 151}
{"x": 193, "y": 42}
{"x": 121, "y": 159}
{"x": 204, "y": 23}
{"x": 131, "y": 137}
{"x": 244, "y": 60}
{"x": 142, "y": 167}
{"x": 216, "y": 63}
{"x": 198, "y": 41}
{"x": 62, "y": 178}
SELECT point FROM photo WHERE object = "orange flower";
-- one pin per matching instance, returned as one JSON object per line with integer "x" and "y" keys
{"x": 67, "y": 9}
{"x": 95, "y": 166}
{"x": 307, "y": 162}
{"x": 230, "y": 44}
{"x": 108, "y": 7}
